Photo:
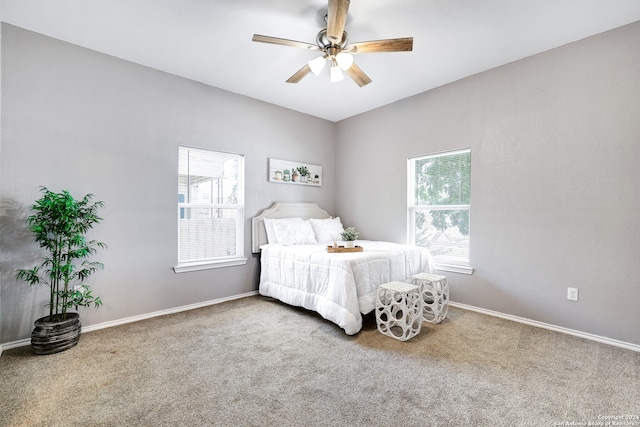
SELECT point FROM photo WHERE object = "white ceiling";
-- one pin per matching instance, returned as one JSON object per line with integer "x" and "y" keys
{"x": 210, "y": 40}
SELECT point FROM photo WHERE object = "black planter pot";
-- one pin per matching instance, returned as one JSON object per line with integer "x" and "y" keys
{"x": 53, "y": 337}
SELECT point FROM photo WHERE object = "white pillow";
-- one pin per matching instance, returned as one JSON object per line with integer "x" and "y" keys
{"x": 293, "y": 231}
{"x": 271, "y": 233}
{"x": 326, "y": 230}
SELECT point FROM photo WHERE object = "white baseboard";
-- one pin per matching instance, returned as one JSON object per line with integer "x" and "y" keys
{"x": 585, "y": 335}
{"x": 112, "y": 323}
{"x": 597, "y": 338}
{"x": 14, "y": 344}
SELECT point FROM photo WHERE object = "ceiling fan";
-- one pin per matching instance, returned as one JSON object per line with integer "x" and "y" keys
{"x": 335, "y": 47}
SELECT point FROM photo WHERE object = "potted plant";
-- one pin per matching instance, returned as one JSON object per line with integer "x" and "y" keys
{"x": 59, "y": 224}
{"x": 304, "y": 173}
{"x": 348, "y": 237}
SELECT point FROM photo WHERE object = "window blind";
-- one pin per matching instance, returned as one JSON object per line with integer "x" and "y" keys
{"x": 210, "y": 205}
{"x": 439, "y": 205}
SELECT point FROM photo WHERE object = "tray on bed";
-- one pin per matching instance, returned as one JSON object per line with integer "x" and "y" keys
{"x": 340, "y": 249}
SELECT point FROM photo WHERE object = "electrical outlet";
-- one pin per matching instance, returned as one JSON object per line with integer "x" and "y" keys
{"x": 572, "y": 294}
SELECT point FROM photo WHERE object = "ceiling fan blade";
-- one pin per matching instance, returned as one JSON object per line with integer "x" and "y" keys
{"x": 336, "y": 19}
{"x": 358, "y": 75}
{"x": 404, "y": 44}
{"x": 284, "y": 42}
{"x": 298, "y": 75}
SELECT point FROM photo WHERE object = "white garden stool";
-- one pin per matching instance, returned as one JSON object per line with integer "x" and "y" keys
{"x": 399, "y": 310}
{"x": 435, "y": 296}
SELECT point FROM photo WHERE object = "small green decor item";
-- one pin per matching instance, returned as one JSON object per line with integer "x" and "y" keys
{"x": 59, "y": 224}
{"x": 349, "y": 234}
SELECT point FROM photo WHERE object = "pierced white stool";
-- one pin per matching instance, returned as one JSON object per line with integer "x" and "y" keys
{"x": 399, "y": 310}
{"x": 435, "y": 296}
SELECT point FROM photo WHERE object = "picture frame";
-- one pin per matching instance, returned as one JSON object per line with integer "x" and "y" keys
{"x": 293, "y": 172}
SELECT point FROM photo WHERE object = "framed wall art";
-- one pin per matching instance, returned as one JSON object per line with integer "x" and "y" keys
{"x": 291, "y": 172}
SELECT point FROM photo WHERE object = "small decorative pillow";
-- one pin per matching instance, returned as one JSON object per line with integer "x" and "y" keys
{"x": 327, "y": 230}
{"x": 293, "y": 231}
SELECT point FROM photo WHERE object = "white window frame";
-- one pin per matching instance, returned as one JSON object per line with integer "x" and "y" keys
{"x": 412, "y": 208}
{"x": 218, "y": 261}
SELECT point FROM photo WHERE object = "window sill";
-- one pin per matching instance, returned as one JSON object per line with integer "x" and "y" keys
{"x": 196, "y": 266}
{"x": 454, "y": 268}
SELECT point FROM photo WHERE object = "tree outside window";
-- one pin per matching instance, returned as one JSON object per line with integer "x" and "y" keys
{"x": 439, "y": 205}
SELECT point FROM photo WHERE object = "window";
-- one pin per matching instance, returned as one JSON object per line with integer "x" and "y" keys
{"x": 439, "y": 201}
{"x": 210, "y": 209}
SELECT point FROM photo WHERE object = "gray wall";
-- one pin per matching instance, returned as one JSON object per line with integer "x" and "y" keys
{"x": 1, "y": 230}
{"x": 555, "y": 145}
{"x": 79, "y": 120}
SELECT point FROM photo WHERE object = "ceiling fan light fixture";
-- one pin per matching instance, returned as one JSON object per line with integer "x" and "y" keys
{"x": 317, "y": 64}
{"x": 344, "y": 60}
{"x": 336, "y": 73}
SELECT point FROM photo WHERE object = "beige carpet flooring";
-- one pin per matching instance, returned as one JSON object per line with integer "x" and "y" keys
{"x": 258, "y": 362}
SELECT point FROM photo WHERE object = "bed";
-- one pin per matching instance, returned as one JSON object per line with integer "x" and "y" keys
{"x": 297, "y": 269}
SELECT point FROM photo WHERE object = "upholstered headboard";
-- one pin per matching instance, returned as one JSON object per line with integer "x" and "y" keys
{"x": 282, "y": 210}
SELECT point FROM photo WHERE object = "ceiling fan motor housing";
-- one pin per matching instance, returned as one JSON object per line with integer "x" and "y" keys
{"x": 323, "y": 42}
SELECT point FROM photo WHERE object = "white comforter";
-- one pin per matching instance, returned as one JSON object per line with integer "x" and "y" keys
{"x": 339, "y": 286}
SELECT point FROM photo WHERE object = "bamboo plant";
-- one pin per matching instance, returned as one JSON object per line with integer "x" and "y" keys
{"x": 59, "y": 224}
